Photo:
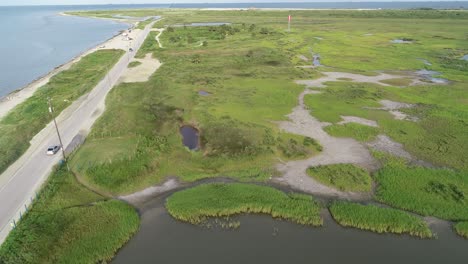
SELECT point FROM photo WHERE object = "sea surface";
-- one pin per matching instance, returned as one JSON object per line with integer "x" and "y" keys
{"x": 36, "y": 39}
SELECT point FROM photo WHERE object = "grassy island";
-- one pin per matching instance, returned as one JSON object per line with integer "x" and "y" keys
{"x": 378, "y": 219}
{"x": 197, "y": 204}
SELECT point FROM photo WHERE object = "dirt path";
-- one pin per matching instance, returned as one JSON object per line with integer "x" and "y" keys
{"x": 335, "y": 150}
{"x": 161, "y": 30}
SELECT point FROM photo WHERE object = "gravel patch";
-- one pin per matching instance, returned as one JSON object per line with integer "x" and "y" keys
{"x": 359, "y": 120}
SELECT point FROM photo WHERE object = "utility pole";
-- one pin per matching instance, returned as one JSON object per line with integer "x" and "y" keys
{"x": 51, "y": 111}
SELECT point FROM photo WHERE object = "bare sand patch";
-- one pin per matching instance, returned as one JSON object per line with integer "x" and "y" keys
{"x": 142, "y": 72}
{"x": 359, "y": 120}
{"x": 385, "y": 144}
{"x": 143, "y": 195}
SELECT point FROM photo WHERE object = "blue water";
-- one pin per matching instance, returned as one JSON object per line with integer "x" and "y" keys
{"x": 35, "y": 40}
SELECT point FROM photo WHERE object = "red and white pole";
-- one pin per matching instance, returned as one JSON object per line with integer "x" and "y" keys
{"x": 289, "y": 23}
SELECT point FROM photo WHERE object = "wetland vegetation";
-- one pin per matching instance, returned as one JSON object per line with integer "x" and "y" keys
{"x": 67, "y": 222}
{"x": 345, "y": 177}
{"x": 379, "y": 219}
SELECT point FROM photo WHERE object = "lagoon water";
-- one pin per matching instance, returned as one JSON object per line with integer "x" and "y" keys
{"x": 261, "y": 239}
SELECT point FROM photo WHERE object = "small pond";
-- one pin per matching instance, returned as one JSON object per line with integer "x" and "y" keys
{"x": 401, "y": 41}
{"x": 429, "y": 76}
{"x": 465, "y": 57}
{"x": 203, "y": 93}
{"x": 261, "y": 239}
{"x": 190, "y": 137}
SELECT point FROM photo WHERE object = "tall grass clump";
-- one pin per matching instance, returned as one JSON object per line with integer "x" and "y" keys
{"x": 69, "y": 224}
{"x": 435, "y": 192}
{"x": 462, "y": 229}
{"x": 197, "y": 204}
{"x": 344, "y": 177}
{"x": 378, "y": 219}
{"x": 28, "y": 118}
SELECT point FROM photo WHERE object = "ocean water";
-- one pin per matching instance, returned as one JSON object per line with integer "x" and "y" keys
{"x": 36, "y": 39}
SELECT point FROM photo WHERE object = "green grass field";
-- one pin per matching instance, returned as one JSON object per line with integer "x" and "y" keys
{"x": 20, "y": 125}
{"x": 378, "y": 219}
{"x": 196, "y": 204}
{"x": 70, "y": 224}
{"x": 344, "y": 177}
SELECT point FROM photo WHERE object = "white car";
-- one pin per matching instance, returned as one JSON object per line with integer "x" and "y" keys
{"x": 52, "y": 150}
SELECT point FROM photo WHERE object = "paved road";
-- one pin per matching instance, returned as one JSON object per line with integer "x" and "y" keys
{"x": 20, "y": 182}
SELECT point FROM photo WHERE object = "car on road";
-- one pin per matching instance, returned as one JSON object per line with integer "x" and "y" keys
{"x": 52, "y": 150}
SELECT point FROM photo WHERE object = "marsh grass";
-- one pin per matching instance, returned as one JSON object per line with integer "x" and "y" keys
{"x": 21, "y": 124}
{"x": 69, "y": 224}
{"x": 430, "y": 192}
{"x": 197, "y": 204}
{"x": 378, "y": 219}
{"x": 344, "y": 177}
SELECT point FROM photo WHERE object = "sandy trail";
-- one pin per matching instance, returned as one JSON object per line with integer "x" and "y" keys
{"x": 335, "y": 150}
{"x": 161, "y": 30}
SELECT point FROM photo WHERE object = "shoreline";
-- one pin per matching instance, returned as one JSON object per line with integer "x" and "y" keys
{"x": 9, "y": 101}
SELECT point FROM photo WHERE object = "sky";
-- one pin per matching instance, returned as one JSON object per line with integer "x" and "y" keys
{"x": 87, "y": 2}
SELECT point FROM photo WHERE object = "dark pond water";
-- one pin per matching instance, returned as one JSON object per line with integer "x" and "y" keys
{"x": 261, "y": 239}
{"x": 190, "y": 137}
{"x": 203, "y": 93}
